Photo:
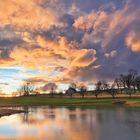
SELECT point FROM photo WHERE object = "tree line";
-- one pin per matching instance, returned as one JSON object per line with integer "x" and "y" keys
{"x": 128, "y": 83}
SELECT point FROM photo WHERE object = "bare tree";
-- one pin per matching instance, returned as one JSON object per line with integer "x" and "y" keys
{"x": 98, "y": 88}
{"x": 111, "y": 90}
{"x": 122, "y": 80}
{"x": 53, "y": 90}
{"x": 104, "y": 85}
{"x": 137, "y": 82}
{"x": 83, "y": 90}
{"x": 26, "y": 89}
{"x": 128, "y": 79}
{"x": 118, "y": 84}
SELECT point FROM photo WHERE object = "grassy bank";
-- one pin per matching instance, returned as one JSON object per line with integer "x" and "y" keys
{"x": 55, "y": 101}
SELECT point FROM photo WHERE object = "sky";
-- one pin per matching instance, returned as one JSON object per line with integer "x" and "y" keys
{"x": 57, "y": 42}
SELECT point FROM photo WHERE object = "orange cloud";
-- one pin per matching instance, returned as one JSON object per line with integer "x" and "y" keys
{"x": 69, "y": 51}
{"x": 58, "y": 55}
{"x": 37, "y": 58}
{"x": 133, "y": 41}
{"x": 85, "y": 22}
{"x": 83, "y": 58}
{"x": 23, "y": 14}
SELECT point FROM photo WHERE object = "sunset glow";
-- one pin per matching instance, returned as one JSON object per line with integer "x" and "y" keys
{"x": 65, "y": 41}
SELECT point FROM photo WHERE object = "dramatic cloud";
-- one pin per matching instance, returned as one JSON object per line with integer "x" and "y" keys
{"x": 104, "y": 26}
{"x": 23, "y": 14}
{"x": 66, "y": 54}
{"x": 64, "y": 41}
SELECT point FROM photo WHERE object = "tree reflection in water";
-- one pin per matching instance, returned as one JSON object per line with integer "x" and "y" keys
{"x": 48, "y": 123}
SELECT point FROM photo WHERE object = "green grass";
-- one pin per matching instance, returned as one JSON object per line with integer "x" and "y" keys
{"x": 59, "y": 101}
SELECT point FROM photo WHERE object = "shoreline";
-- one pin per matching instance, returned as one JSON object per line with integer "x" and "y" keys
{"x": 7, "y": 112}
{"x": 10, "y": 106}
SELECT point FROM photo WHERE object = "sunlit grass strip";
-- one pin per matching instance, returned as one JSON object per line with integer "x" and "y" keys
{"x": 38, "y": 101}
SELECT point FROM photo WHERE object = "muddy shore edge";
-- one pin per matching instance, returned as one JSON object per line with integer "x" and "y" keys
{"x": 7, "y": 112}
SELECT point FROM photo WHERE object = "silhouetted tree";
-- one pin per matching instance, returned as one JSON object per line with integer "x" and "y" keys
{"x": 129, "y": 92}
{"x": 26, "y": 89}
{"x": 128, "y": 79}
{"x": 111, "y": 90}
{"x": 83, "y": 90}
{"x": 117, "y": 82}
{"x": 71, "y": 90}
{"x": 118, "y": 85}
{"x": 137, "y": 82}
{"x": 104, "y": 85}
{"x": 98, "y": 88}
{"x": 53, "y": 90}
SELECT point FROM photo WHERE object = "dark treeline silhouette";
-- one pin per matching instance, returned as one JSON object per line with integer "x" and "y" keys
{"x": 128, "y": 83}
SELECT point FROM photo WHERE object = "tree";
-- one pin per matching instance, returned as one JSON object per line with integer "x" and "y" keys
{"x": 26, "y": 89}
{"x": 104, "y": 85}
{"x": 128, "y": 79}
{"x": 129, "y": 92}
{"x": 53, "y": 90}
{"x": 83, "y": 90}
{"x": 71, "y": 90}
{"x": 118, "y": 85}
{"x": 137, "y": 82}
{"x": 98, "y": 88}
{"x": 111, "y": 90}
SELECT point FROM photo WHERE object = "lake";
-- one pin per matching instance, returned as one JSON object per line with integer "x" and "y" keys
{"x": 47, "y": 123}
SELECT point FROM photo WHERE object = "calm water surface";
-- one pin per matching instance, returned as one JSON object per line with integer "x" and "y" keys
{"x": 45, "y": 123}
